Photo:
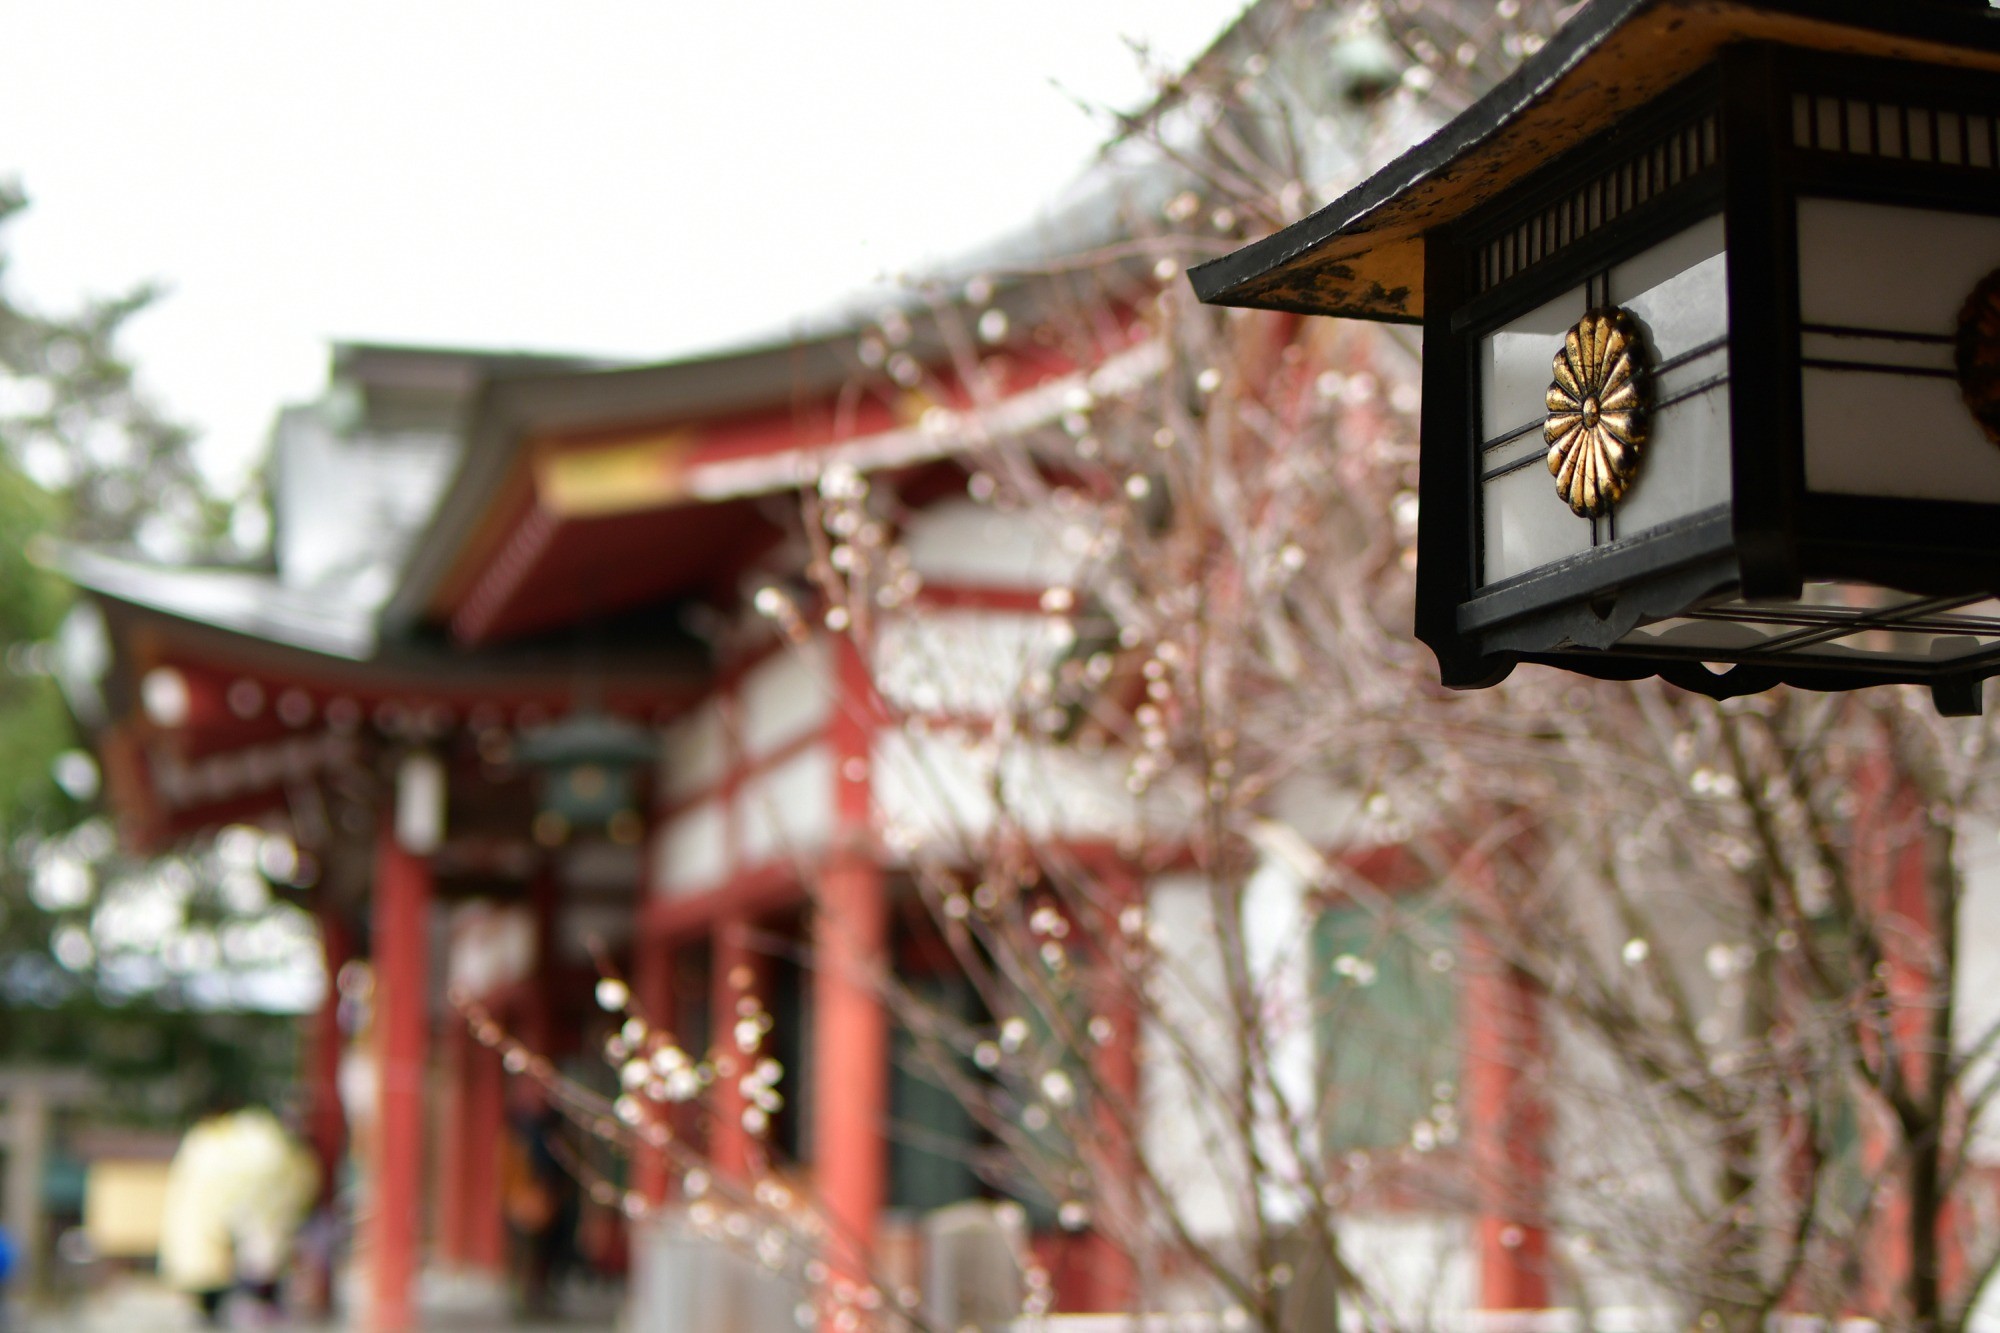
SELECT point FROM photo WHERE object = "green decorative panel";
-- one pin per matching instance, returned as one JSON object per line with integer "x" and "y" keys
{"x": 1385, "y": 1025}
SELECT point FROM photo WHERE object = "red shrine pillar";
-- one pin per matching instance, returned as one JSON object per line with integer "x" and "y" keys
{"x": 653, "y": 989}
{"x": 737, "y": 973}
{"x": 402, "y": 1026}
{"x": 326, "y": 1120}
{"x": 850, "y": 930}
{"x": 449, "y": 1171}
{"x": 485, "y": 1124}
{"x": 1892, "y": 862}
{"x": 471, "y": 1228}
{"x": 1501, "y": 1018}
{"x": 1114, "y": 1277}
{"x": 850, "y": 1057}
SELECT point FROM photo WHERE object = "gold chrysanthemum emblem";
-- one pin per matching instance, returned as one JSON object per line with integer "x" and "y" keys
{"x": 1596, "y": 428}
{"x": 1979, "y": 354}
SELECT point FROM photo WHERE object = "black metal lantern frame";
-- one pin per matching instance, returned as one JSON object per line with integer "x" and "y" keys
{"x": 1799, "y": 241}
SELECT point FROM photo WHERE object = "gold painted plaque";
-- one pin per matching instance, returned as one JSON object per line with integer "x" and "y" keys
{"x": 1979, "y": 354}
{"x": 1598, "y": 405}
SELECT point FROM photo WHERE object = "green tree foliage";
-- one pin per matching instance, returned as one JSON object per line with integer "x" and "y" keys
{"x": 74, "y": 419}
{"x": 34, "y": 727}
{"x": 86, "y": 456}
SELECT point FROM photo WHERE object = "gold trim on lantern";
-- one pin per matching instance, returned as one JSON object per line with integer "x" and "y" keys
{"x": 1598, "y": 407}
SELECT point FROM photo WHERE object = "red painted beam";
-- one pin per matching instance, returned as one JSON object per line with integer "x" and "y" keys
{"x": 765, "y": 890}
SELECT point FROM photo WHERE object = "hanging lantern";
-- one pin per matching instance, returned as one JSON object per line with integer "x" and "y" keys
{"x": 1710, "y": 292}
{"x": 589, "y": 765}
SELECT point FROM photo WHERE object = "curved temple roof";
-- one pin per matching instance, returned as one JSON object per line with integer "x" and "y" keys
{"x": 1362, "y": 256}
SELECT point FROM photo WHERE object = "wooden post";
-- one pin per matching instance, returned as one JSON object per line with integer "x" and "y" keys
{"x": 27, "y": 1143}
{"x": 402, "y": 1024}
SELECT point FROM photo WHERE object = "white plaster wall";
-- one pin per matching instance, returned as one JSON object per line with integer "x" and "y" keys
{"x": 970, "y": 545}
{"x": 787, "y": 696}
{"x": 788, "y": 811}
{"x": 1424, "y": 1267}
{"x": 964, "y": 662}
{"x": 1189, "y": 1053}
{"x": 1977, "y": 992}
{"x": 1187, "y": 1137}
{"x": 1277, "y": 940}
{"x": 691, "y": 851}
{"x": 578, "y": 928}
{"x": 1320, "y": 813}
{"x": 694, "y": 754}
{"x": 939, "y": 789}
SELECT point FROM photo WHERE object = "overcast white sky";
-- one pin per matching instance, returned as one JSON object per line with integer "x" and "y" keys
{"x": 625, "y": 178}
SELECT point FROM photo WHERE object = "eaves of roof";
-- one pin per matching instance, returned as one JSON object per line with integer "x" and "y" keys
{"x": 244, "y": 602}
{"x": 251, "y": 617}
{"x": 1362, "y": 255}
{"x": 510, "y": 412}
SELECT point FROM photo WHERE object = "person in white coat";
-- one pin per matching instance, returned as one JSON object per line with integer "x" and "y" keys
{"x": 237, "y": 1190}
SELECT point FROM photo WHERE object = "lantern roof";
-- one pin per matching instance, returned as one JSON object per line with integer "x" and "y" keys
{"x": 1362, "y": 256}
{"x": 590, "y": 736}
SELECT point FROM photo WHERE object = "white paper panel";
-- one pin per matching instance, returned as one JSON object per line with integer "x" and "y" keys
{"x": 1876, "y": 351}
{"x": 693, "y": 756}
{"x": 1516, "y": 365}
{"x": 1686, "y": 467}
{"x": 940, "y": 791}
{"x": 788, "y": 812}
{"x": 1526, "y": 524}
{"x": 1691, "y": 374}
{"x": 964, "y": 662}
{"x": 1874, "y": 266}
{"x": 1679, "y": 289}
{"x": 1976, "y": 979}
{"x": 1528, "y": 442}
{"x": 787, "y": 696}
{"x": 1902, "y": 435}
{"x": 691, "y": 852}
{"x": 971, "y": 545}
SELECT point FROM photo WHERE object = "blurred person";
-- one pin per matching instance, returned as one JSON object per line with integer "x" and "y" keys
{"x": 197, "y": 1253}
{"x": 280, "y": 1179}
{"x": 7, "y": 1260}
{"x": 237, "y": 1190}
{"x": 538, "y": 1198}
